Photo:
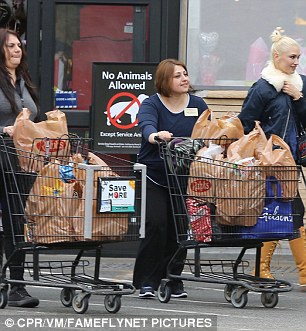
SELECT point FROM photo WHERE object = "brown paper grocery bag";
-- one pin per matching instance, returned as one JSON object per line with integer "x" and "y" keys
{"x": 203, "y": 178}
{"x": 53, "y": 134}
{"x": 105, "y": 226}
{"x": 207, "y": 127}
{"x": 240, "y": 194}
{"x": 249, "y": 145}
{"x": 50, "y": 207}
{"x": 283, "y": 166}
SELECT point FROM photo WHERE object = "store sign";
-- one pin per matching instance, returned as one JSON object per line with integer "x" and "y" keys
{"x": 65, "y": 99}
{"x": 116, "y": 195}
{"x": 118, "y": 91}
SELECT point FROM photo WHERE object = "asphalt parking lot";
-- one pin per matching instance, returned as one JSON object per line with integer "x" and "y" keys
{"x": 205, "y": 303}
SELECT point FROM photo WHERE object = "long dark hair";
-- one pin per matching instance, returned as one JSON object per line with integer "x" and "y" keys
{"x": 21, "y": 71}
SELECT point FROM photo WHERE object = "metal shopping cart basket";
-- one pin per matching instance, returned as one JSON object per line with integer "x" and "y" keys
{"x": 65, "y": 197}
{"x": 220, "y": 204}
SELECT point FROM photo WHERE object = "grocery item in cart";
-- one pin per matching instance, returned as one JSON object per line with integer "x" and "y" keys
{"x": 240, "y": 192}
{"x": 50, "y": 207}
{"x": 276, "y": 220}
{"x": 209, "y": 127}
{"x": 249, "y": 145}
{"x": 201, "y": 217}
{"x": 36, "y": 142}
{"x": 278, "y": 155}
{"x": 55, "y": 206}
{"x": 181, "y": 153}
{"x": 107, "y": 225}
{"x": 236, "y": 189}
{"x": 202, "y": 177}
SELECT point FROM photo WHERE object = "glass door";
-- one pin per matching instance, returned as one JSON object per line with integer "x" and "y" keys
{"x": 93, "y": 33}
{"x": 64, "y": 38}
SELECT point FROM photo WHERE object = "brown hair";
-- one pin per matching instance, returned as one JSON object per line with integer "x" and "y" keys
{"x": 164, "y": 75}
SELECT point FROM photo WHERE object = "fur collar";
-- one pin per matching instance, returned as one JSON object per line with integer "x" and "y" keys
{"x": 276, "y": 77}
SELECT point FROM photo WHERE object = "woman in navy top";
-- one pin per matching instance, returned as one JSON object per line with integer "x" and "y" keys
{"x": 171, "y": 112}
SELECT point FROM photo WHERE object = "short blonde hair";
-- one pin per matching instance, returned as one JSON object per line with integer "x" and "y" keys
{"x": 281, "y": 43}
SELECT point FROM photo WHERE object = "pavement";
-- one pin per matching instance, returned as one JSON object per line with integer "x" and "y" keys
{"x": 204, "y": 300}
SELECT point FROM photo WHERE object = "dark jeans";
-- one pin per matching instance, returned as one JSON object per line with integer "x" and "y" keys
{"x": 160, "y": 242}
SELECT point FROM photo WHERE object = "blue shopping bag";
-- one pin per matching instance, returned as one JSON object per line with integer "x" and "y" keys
{"x": 276, "y": 220}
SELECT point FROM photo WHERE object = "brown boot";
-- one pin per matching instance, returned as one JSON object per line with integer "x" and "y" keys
{"x": 298, "y": 248}
{"x": 267, "y": 251}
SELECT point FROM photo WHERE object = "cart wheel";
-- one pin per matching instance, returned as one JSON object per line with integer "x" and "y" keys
{"x": 3, "y": 298}
{"x": 239, "y": 300}
{"x": 269, "y": 300}
{"x": 112, "y": 303}
{"x": 164, "y": 293}
{"x": 79, "y": 304}
{"x": 228, "y": 289}
{"x": 67, "y": 295}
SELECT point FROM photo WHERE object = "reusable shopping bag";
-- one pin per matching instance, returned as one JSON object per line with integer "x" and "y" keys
{"x": 52, "y": 133}
{"x": 276, "y": 219}
{"x": 181, "y": 152}
{"x": 209, "y": 127}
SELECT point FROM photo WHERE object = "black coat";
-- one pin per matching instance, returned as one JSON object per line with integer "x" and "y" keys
{"x": 276, "y": 111}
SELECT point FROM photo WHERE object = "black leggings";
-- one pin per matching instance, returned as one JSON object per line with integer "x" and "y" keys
{"x": 16, "y": 264}
{"x": 160, "y": 242}
{"x": 15, "y": 233}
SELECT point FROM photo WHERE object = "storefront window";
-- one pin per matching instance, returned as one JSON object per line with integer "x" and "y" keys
{"x": 86, "y": 34}
{"x": 228, "y": 41}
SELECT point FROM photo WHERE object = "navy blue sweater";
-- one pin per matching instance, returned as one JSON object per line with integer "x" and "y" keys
{"x": 153, "y": 116}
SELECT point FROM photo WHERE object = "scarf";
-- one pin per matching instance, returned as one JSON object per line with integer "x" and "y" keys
{"x": 276, "y": 77}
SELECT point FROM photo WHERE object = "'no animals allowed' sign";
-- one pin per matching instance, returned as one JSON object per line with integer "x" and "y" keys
{"x": 118, "y": 91}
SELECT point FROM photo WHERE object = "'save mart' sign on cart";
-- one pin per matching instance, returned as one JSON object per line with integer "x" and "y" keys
{"x": 118, "y": 91}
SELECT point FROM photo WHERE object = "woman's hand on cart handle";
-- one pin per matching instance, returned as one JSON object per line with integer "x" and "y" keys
{"x": 160, "y": 136}
{"x": 9, "y": 130}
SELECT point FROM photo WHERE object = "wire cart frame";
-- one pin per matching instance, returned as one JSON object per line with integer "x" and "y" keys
{"x": 70, "y": 199}
{"x": 216, "y": 203}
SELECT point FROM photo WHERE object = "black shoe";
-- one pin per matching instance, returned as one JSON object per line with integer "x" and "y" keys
{"x": 177, "y": 291}
{"x": 19, "y": 297}
{"x": 146, "y": 292}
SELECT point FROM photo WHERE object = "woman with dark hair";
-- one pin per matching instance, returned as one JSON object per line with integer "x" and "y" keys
{"x": 171, "y": 112}
{"x": 16, "y": 92}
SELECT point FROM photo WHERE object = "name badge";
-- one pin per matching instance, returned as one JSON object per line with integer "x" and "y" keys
{"x": 191, "y": 112}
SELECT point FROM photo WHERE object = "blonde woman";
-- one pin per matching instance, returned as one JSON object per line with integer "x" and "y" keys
{"x": 278, "y": 101}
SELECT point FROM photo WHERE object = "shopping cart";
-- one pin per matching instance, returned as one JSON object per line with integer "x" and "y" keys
{"x": 65, "y": 197}
{"x": 220, "y": 204}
